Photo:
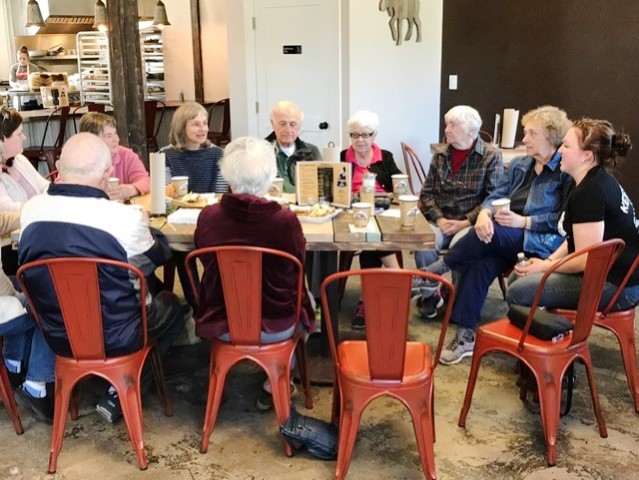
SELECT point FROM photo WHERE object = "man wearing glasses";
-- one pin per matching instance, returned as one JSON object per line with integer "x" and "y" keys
{"x": 286, "y": 120}
{"x": 462, "y": 173}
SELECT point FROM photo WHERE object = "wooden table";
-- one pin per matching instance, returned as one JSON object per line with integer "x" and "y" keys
{"x": 329, "y": 238}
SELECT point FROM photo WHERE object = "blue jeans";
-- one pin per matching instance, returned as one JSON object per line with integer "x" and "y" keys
{"x": 423, "y": 258}
{"x": 562, "y": 290}
{"x": 480, "y": 264}
{"x": 24, "y": 342}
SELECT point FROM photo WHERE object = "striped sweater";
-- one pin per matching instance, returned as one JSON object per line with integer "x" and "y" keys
{"x": 201, "y": 166}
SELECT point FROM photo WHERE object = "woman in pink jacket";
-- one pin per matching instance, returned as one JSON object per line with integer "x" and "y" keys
{"x": 127, "y": 166}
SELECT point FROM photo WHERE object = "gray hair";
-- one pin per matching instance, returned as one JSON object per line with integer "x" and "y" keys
{"x": 467, "y": 117}
{"x": 363, "y": 119}
{"x": 249, "y": 165}
{"x": 286, "y": 106}
{"x": 553, "y": 120}
{"x": 84, "y": 155}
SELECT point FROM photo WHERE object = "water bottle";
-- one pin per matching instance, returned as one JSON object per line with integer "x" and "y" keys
{"x": 521, "y": 259}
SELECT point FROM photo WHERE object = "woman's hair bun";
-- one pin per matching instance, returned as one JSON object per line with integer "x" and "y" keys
{"x": 621, "y": 143}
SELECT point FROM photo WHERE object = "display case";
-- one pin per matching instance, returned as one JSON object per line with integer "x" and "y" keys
{"x": 153, "y": 60}
{"x": 94, "y": 67}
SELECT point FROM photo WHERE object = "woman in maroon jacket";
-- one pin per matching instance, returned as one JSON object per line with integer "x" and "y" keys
{"x": 245, "y": 217}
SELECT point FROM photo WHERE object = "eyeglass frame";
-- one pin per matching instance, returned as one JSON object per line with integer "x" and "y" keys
{"x": 365, "y": 136}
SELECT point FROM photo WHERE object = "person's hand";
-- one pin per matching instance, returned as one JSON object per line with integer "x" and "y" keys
{"x": 533, "y": 265}
{"x": 170, "y": 191}
{"x": 122, "y": 192}
{"x": 508, "y": 218}
{"x": 451, "y": 227}
{"x": 484, "y": 227}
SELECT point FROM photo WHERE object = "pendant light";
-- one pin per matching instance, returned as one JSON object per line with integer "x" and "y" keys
{"x": 160, "y": 19}
{"x": 34, "y": 15}
{"x": 100, "y": 16}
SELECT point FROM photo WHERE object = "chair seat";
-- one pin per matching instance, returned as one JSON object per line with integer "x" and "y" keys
{"x": 506, "y": 332}
{"x": 353, "y": 358}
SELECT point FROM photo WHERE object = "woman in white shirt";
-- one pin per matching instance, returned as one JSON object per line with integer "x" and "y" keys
{"x": 19, "y": 181}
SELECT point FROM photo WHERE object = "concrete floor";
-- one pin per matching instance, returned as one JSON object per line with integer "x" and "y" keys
{"x": 503, "y": 438}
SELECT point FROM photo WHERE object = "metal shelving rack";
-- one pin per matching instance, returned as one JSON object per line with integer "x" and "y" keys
{"x": 153, "y": 58}
{"x": 94, "y": 67}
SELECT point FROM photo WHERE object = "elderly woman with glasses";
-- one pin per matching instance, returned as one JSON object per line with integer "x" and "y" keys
{"x": 537, "y": 188}
{"x": 19, "y": 181}
{"x": 366, "y": 157}
{"x": 463, "y": 172}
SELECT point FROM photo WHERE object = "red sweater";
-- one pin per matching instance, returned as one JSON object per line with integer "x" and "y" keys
{"x": 249, "y": 220}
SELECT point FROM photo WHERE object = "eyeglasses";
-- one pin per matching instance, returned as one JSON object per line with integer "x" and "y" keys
{"x": 355, "y": 136}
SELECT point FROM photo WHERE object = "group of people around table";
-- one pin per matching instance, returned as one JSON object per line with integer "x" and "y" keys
{"x": 562, "y": 198}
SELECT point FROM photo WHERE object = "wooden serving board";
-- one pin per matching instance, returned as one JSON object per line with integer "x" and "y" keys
{"x": 392, "y": 230}
{"x": 201, "y": 203}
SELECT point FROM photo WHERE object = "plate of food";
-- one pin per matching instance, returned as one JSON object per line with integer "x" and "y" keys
{"x": 318, "y": 213}
{"x": 194, "y": 200}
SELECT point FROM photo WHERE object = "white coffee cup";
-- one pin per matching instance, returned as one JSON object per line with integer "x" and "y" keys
{"x": 277, "y": 187}
{"x": 500, "y": 204}
{"x": 113, "y": 182}
{"x": 181, "y": 185}
{"x": 361, "y": 214}
{"x": 400, "y": 184}
{"x": 408, "y": 211}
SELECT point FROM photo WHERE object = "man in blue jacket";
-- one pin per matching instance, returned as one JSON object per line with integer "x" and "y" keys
{"x": 76, "y": 218}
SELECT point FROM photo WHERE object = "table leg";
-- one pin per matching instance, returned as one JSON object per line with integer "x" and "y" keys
{"x": 321, "y": 365}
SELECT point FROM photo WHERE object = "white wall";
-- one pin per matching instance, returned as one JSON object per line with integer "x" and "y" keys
{"x": 178, "y": 51}
{"x": 213, "y": 21}
{"x": 400, "y": 83}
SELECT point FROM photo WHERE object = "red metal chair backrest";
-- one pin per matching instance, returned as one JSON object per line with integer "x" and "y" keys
{"x": 75, "y": 280}
{"x": 241, "y": 274}
{"x": 386, "y": 293}
{"x": 412, "y": 162}
{"x": 601, "y": 257}
{"x": 61, "y": 115}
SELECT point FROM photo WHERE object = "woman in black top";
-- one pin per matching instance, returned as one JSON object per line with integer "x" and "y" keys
{"x": 597, "y": 209}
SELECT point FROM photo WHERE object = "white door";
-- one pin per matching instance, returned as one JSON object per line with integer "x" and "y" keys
{"x": 298, "y": 59}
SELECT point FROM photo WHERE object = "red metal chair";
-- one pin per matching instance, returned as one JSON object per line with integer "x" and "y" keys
{"x": 385, "y": 363}
{"x": 75, "y": 280}
{"x": 546, "y": 359}
{"x": 150, "y": 112}
{"x": 50, "y": 153}
{"x": 221, "y": 137}
{"x": 241, "y": 276}
{"x": 622, "y": 324}
{"x": 6, "y": 395}
{"x": 413, "y": 163}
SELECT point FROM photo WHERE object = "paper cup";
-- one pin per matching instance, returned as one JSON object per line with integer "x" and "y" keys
{"x": 500, "y": 204}
{"x": 181, "y": 185}
{"x": 400, "y": 184}
{"x": 277, "y": 187}
{"x": 361, "y": 214}
{"x": 113, "y": 182}
{"x": 408, "y": 211}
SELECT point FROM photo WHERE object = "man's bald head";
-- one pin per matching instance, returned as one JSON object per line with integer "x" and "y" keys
{"x": 85, "y": 160}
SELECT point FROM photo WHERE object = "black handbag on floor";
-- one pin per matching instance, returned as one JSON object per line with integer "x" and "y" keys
{"x": 544, "y": 325}
{"x": 318, "y": 437}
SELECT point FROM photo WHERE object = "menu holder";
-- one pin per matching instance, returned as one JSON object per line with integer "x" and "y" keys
{"x": 332, "y": 181}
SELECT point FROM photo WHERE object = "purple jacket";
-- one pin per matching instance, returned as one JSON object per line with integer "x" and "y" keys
{"x": 249, "y": 220}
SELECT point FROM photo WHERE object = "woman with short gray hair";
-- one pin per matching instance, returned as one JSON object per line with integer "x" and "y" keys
{"x": 462, "y": 173}
{"x": 249, "y": 166}
{"x": 246, "y": 217}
